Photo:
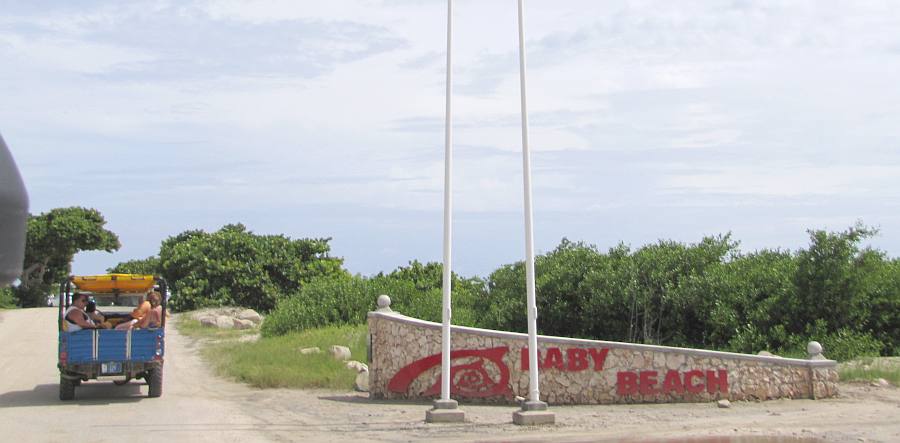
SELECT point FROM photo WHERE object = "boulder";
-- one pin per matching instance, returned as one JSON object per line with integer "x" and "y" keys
{"x": 312, "y": 350}
{"x": 880, "y": 383}
{"x": 362, "y": 381}
{"x": 723, "y": 404}
{"x": 243, "y": 324}
{"x": 251, "y": 315}
{"x": 357, "y": 366}
{"x": 340, "y": 352}
{"x": 208, "y": 321}
{"x": 224, "y": 322}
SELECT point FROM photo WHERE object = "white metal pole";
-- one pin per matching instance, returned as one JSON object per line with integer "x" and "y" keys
{"x": 448, "y": 204}
{"x": 534, "y": 391}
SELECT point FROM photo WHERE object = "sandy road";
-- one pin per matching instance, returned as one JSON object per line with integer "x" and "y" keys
{"x": 196, "y": 406}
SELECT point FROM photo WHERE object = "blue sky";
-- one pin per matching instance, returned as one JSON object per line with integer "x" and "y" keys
{"x": 649, "y": 120}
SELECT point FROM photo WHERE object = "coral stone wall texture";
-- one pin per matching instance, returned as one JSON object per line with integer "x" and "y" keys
{"x": 493, "y": 366}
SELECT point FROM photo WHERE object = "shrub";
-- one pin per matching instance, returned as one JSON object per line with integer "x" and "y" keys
{"x": 846, "y": 345}
{"x": 345, "y": 300}
{"x": 31, "y": 296}
{"x": 235, "y": 267}
{"x": 709, "y": 295}
{"x": 7, "y": 300}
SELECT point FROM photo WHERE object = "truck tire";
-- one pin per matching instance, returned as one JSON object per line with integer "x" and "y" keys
{"x": 66, "y": 389}
{"x": 154, "y": 381}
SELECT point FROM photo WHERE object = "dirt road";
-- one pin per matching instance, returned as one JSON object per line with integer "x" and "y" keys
{"x": 197, "y": 406}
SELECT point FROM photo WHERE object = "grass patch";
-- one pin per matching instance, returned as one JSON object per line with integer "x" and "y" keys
{"x": 192, "y": 328}
{"x": 870, "y": 368}
{"x": 275, "y": 362}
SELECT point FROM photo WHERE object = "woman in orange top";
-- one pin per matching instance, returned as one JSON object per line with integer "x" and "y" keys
{"x": 147, "y": 314}
{"x": 142, "y": 310}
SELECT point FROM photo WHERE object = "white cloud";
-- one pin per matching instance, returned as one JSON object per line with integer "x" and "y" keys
{"x": 786, "y": 180}
{"x": 69, "y": 55}
{"x": 635, "y": 107}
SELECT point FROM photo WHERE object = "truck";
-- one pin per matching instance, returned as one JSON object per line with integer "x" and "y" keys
{"x": 113, "y": 355}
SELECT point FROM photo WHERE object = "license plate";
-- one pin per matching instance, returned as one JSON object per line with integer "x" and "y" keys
{"x": 112, "y": 367}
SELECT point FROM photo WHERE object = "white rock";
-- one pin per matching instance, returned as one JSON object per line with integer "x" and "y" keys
{"x": 357, "y": 366}
{"x": 251, "y": 315}
{"x": 813, "y": 348}
{"x": 880, "y": 383}
{"x": 723, "y": 403}
{"x": 384, "y": 303}
{"x": 340, "y": 352}
{"x": 313, "y": 350}
{"x": 208, "y": 321}
{"x": 224, "y": 322}
{"x": 362, "y": 381}
{"x": 243, "y": 324}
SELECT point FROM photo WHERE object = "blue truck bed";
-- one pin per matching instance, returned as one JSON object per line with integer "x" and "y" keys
{"x": 108, "y": 345}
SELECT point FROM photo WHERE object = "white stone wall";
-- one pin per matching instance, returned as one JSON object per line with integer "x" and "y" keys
{"x": 577, "y": 371}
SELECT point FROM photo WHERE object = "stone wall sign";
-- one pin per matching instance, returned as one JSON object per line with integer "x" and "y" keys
{"x": 492, "y": 366}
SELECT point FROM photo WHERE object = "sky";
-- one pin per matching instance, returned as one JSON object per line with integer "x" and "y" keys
{"x": 648, "y": 120}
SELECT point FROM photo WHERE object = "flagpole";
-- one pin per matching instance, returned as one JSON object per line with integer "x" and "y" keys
{"x": 448, "y": 219}
{"x": 445, "y": 409}
{"x": 534, "y": 411}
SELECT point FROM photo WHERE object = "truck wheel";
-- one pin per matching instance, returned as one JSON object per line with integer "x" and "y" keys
{"x": 66, "y": 389}
{"x": 154, "y": 379}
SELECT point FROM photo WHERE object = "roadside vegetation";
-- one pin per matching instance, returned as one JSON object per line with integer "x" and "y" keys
{"x": 51, "y": 241}
{"x": 192, "y": 328}
{"x": 7, "y": 299}
{"x": 708, "y": 294}
{"x": 871, "y": 368}
{"x": 275, "y": 362}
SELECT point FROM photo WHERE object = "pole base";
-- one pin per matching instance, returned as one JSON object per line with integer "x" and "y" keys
{"x": 534, "y": 413}
{"x": 445, "y": 411}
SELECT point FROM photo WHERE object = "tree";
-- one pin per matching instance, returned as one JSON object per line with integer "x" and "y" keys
{"x": 145, "y": 266}
{"x": 235, "y": 267}
{"x": 831, "y": 278}
{"x": 52, "y": 240}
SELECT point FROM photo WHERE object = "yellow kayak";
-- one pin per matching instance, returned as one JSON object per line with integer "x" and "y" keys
{"x": 112, "y": 283}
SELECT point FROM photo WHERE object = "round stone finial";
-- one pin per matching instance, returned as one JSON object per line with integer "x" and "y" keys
{"x": 813, "y": 348}
{"x": 384, "y": 302}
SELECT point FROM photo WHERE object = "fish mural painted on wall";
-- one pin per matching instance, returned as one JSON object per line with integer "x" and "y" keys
{"x": 470, "y": 379}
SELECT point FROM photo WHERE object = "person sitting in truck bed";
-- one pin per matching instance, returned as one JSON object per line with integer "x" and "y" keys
{"x": 142, "y": 309}
{"x": 76, "y": 318}
{"x": 151, "y": 319}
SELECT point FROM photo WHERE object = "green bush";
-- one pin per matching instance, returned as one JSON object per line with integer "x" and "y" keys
{"x": 345, "y": 300}
{"x": 846, "y": 345}
{"x": 7, "y": 300}
{"x": 336, "y": 300}
{"x": 31, "y": 296}
{"x": 235, "y": 267}
{"x": 709, "y": 295}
